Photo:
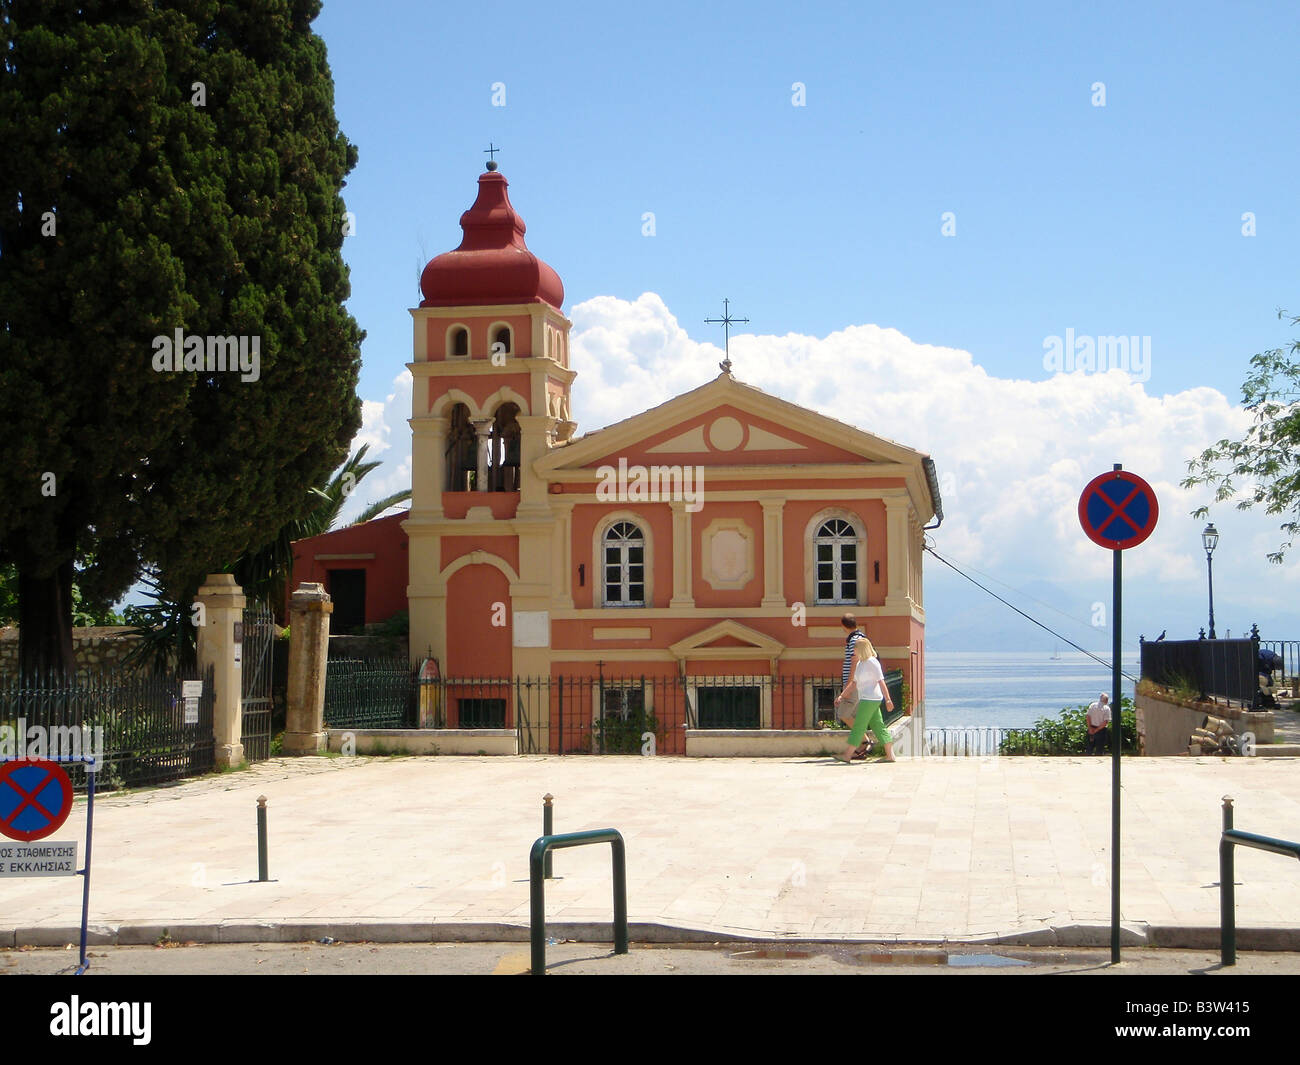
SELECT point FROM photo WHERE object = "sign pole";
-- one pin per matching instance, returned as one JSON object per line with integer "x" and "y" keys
{"x": 85, "y": 890}
{"x": 1116, "y": 743}
{"x": 1117, "y": 510}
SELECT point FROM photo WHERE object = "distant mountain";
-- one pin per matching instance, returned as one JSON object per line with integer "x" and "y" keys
{"x": 961, "y": 617}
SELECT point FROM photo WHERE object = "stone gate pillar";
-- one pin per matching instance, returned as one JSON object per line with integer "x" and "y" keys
{"x": 309, "y": 635}
{"x": 223, "y": 607}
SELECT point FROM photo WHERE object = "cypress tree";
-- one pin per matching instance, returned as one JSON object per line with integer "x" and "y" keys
{"x": 172, "y": 168}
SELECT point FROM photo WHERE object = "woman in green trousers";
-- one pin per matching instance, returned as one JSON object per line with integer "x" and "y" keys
{"x": 869, "y": 680}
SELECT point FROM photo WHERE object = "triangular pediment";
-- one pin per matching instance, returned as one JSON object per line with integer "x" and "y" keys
{"x": 727, "y": 639}
{"x": 726, "y": 422}
{"x": 728, "y": 425}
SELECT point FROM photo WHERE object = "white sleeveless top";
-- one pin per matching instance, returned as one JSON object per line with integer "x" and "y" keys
{"x": 867, "y": 679}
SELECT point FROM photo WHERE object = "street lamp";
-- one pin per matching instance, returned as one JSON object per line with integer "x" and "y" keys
{"x": 1210, "y": 540}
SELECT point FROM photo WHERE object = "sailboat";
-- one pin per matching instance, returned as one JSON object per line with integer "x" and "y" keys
{"x": 1056, "y": 653}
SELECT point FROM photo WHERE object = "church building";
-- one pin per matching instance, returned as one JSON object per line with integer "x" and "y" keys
{"x": 687, "y": 566}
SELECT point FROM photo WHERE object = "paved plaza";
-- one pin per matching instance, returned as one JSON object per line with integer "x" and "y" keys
{"x": 390, "y": 849}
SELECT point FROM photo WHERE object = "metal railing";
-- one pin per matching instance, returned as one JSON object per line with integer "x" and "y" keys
{"x": 537, "y": 887}
{"x": 592, "y": 714}
{"x": 613, "y": 713}
{"x": 1289, "y": 652}
{"x": 146, "y": 736}
{"x": 979, "y": 741}
{"x": 369, "y": 693}
{"x": 1225, "y": 668}
{"x": 1227, "y": 887}
{"x": 257, "y": 704}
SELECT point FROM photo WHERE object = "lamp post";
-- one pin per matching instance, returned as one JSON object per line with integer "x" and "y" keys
{"x": 1210, "y": 540}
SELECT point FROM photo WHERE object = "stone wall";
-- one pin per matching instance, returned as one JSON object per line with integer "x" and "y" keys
{"x": 96, "y": 648}
{"x": 1165, "y": 728}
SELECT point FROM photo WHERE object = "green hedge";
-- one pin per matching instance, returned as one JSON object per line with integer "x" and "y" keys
{"x": 1068, "y": 732}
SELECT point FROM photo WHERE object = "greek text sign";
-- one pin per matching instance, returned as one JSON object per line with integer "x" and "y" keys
{"x": 47, "y": 858}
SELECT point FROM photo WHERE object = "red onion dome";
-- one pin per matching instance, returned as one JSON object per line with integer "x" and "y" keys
{"x": 492, "y": 264}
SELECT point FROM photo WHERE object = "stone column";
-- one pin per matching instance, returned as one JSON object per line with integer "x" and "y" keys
{"x": 896, "y": 552}
{"x": 533, "y": 498}
{"x": 483, "y": 429}
{"x": 682, "y": 597}
{"x": 223, "y": 604}
{"x": 429, "y": 465}
{"x": 309, "y": 634}
{"x": 773, "y": 554}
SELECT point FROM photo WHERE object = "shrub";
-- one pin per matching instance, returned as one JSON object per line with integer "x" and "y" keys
{"x": 1068, "y": 732}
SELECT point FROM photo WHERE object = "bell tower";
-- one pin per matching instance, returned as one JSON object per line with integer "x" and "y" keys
{"x": 490, "y": 396}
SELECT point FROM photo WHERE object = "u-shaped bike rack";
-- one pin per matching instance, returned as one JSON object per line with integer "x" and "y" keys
{"x": 537, "y": 887}
{"x": 1227, "y": 890}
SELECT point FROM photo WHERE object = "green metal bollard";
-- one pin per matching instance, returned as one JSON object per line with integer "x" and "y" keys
{"x": 262, "y": 874}
{"x": 537, "y": 889}
{"x": 1227, "y": 893}
{"x": 548, "y": 829}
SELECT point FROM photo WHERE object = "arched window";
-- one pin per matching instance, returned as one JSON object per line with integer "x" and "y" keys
{"x": 458, "y": 342}
{"x": 461, "y": 456}
{"x": 623, "y": 569}
{"x": 503, "y": 472}
{"x": 502, "y": 336}
{"x": 835, "y": 561}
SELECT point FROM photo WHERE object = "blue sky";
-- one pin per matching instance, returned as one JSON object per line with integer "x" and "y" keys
{"x": 824, "y": 220}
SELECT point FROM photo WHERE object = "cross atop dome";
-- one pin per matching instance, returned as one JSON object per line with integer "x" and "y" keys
{"x": 491, "y": 151}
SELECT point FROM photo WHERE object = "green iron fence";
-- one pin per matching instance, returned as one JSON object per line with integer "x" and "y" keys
{"x": 369, "y": 693}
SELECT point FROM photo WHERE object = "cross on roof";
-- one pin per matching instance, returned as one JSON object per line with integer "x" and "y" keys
{"x": 726, "y": 321}
{"x": 491, "y": 152}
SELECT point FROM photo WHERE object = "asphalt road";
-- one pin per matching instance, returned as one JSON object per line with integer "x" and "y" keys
{"x": 597, "y": 959}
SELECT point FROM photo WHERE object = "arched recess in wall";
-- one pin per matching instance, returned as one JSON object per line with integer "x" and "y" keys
{"x": 504, "y": 451}
{"x": 501, "y": 333}
{"x": 622, "y": 553}
{"x": 835, "y": 558}
{"x": 461, "y": 453}
{"x": 480, "y": 557}
{"x": 457, "y": 341}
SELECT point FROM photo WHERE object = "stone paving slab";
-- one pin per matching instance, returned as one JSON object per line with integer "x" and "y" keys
{"x": 960, "y": 849}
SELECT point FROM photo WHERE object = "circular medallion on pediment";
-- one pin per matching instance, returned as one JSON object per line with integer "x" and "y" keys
{"x": 726, "y": 433}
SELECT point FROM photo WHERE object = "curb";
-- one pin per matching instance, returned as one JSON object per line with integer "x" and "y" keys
{"x": 1177, "y": 937}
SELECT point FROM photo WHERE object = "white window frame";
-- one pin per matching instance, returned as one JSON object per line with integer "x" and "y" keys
{"x": 810, "y": 548}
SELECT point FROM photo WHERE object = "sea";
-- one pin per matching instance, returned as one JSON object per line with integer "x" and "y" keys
{"x": 1011, "y": 690}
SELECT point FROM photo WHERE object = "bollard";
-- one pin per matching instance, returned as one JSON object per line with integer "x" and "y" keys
{"x": 261, "y": 839}
{"x": 537, "y": 889}
{"x": 1227, "y": 894}
{"x": 548, "y": 829}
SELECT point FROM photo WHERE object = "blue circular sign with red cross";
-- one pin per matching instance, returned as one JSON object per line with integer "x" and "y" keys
{"x": 35, "y": 799}
{"x": 1118, "y": 510}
